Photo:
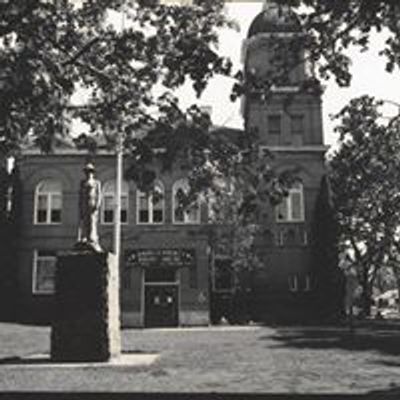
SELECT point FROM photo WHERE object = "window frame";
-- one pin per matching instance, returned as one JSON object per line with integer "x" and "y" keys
{"x": 293, "y": 131}
{"x": 278, "y": 116}
{"x": 307, "y": 283}
{"x": 105, "y": 193}
{"x": 183, "y": 184}
{"x": 49, "y": 196}
{"x": 293, "y": 283}
{"x": 298, "y": 189}
{"x": 35, "y": 269}
{"x": 150, "y": 205}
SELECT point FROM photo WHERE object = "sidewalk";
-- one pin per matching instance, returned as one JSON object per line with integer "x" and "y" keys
{"x": 217, "y": 359}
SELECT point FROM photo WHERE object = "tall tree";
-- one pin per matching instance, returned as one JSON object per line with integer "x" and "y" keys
{"x": 325, "y": 233}
{"x": 118, "y": 51}
{"x": 332, "y": 27}
{"x": 365, "y": 180}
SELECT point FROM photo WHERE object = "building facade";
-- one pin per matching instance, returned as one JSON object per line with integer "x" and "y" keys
{"x": 288, "y": 120}
{"x": 167, "y": 263}
{"x": 165, "y": 256}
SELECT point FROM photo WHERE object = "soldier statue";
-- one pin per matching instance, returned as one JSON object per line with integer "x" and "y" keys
{"x": 89, "y": 206}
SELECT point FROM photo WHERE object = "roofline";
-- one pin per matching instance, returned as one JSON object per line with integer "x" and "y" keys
{"x": 76, "y": 152}
{"x": 297, "y": 149}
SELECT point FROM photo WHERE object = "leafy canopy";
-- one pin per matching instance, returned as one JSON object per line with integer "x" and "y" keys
{"x": 50, "y": 48}
{"x": 366, "y": 184}
{"x": 332, "y": 26}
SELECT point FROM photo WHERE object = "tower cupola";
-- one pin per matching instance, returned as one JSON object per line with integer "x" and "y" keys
{"x": 274, "y": 17}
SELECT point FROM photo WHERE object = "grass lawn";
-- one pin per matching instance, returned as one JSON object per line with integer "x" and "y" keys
{"x": 220, "y": 359}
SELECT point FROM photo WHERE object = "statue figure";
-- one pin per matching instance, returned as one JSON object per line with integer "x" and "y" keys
{"x": 89, "y": 205}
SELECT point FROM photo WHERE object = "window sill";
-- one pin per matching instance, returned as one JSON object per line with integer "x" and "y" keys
{"x": 291, "y": 222}
{"x": 47, "y": 223}
{"x": 42, "y": 293}
{"x": 150, "y": 223}
{"x": 112, "y": 223}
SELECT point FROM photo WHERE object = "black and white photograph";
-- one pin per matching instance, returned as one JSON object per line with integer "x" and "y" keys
{"x": 199, "y": 198}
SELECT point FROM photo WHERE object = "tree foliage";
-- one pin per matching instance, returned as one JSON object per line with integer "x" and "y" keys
{"x": 325, "y": 233}
{"x": 365, "y": 181}
{"x": 49, "y": 48}
{"x": 128, "y": 57}
{"x": 332, "y": 27}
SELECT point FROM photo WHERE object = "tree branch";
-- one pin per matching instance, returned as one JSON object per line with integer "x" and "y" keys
{"x": 86, "y": 47}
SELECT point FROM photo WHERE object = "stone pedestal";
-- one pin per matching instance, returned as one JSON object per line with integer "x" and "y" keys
{"x": 86, "y": 325}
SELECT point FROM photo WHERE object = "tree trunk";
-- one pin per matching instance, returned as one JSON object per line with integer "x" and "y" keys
{"x": 366, "y": 293}
{"x": 396, "y": 272}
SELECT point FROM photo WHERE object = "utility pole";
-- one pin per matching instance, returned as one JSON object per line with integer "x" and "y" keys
{"x": 119, "y": 150}
{"x": 118, "y": 191}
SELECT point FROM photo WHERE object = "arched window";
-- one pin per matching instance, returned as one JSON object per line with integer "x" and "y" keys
{"x": 291, "y": 209}
{"x": 150, "y": 206}
{"x": 48, "y": 202}
{"x": 108, "y": 203}
{"x": 181, "y": 214}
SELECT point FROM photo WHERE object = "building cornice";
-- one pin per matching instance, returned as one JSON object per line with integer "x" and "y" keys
{"x": 297, "y": 149}
{"x": 65, "y": 152}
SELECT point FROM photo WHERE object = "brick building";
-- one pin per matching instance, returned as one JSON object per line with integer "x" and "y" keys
{"x": 289, "y": 123}
{"x": 166, "y": 266}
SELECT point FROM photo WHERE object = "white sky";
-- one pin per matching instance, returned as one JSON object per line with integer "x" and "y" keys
{"x": 369, "y": 77}
{"x": 368, "y": 69}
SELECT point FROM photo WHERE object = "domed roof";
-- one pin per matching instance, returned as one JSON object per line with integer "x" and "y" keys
{"x": 274, "y": 18}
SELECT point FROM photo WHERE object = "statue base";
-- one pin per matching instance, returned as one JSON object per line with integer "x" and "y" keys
{"x": 88, "y": 246}
{"x": 86, "y": 326}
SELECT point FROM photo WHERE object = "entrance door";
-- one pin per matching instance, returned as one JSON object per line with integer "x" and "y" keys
{"x": 161, "y": 293}
{"x": 161, "y": 305}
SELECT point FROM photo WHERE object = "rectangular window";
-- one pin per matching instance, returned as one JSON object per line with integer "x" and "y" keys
{"x": 158, "y": 216}
{"x": 124, "y": 209}
{"x": 150, "y": 208}
{"x": 42, "y": 207}
{"x": 9, "y": 200}
{"x": 56, "y": 207}
{"x": 296, "y": 208}
{"x": 293, "y": 283}
{"x": 274, "y": 124}
{"x": 158, "y": 211}
{"x": 307, "y": 283}
{"x": 144, "y": 215}
{"x": 280, "y": 238}
{"x": 44, "y": 268}
{"x": 297, "y": 124}
{"x": 48, "y": 202}
{"x": 109, "y": 208}
{"x": 304, "y": 237}
{"x": 291, "y": 209}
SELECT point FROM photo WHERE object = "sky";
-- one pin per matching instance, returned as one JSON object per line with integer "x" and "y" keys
{"x": 368, "y": 69}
